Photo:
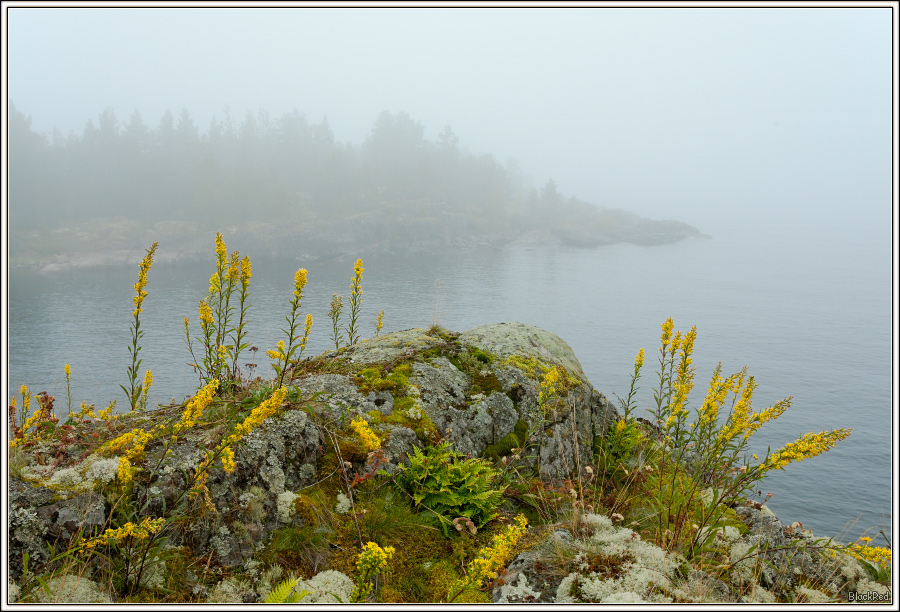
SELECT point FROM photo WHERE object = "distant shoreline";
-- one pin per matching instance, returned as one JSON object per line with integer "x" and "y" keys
{"x": 121, "y": 243}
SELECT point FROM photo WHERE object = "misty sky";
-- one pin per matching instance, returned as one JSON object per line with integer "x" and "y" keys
{"x": 723, "y": 118}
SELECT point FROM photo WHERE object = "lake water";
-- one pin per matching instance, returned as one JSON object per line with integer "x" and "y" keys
{"x": 810, "y": 320}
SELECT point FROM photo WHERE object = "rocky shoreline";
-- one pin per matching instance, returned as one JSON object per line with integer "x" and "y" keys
{"x": 100, "y": 243}
{"x": 478, "y": 390}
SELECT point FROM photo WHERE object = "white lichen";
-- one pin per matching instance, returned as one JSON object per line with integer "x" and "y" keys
{"x": 343, "y": 504}
{"x": 230, "y": 590}
{"x": 517, "y": 590}
{"x": 12, "y": 590}
{"x": 329, "y": 586}
{"x": 285, "y": 506}
{"x": 808, "y": 595}
{"x": 70, "y": 588}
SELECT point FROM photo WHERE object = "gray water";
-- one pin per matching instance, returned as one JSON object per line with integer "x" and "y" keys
{"x": 812, "y": 321}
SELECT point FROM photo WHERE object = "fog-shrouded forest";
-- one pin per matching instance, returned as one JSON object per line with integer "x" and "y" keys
{"x": 284, "y": 187}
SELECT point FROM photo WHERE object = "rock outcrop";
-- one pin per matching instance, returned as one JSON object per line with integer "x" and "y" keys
{"x": 478, "y": 390}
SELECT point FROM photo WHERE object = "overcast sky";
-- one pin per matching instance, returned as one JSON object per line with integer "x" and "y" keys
{"x": 718, "y": 117}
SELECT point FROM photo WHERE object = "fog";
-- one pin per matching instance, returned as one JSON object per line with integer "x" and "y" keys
{"x": 774, "y": 121}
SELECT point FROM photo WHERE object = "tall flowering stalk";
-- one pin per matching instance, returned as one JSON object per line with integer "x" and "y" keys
{"x": 490, "y": 559}
{"x": 702, "y": 465}
{"x": 134, "y": 392}
{"x": 334, "y": 311}
{"x": 283, "y": 356}
{"x": 355, "y": 303}
{"x": 379, "y": 322}
{"x": 68, "y": 370}
{"x": 240, "y": 330}
{"x": 222, "y": 339}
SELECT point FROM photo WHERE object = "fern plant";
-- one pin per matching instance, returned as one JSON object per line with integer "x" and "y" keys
{"x": 284, "y": 593}
{"x": 451, "y": 486}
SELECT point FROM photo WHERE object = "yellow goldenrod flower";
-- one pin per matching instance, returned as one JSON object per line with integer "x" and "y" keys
{"x": 639, "y": 360}
{"x": 215, "y": 284}
{"x": 366, "y": 435}
{"x": 278, "y": 352}
{"x": 104, "y": 414}
{"x": 68, "y": 370}
{"x": 220, "y": 249}
{"x": 228, "y": 460}
{"x": 299, "y": 281}
{"x": 195, "y": 407}
{"x": 142, "y": 279}
{"x": 306, "y": 328}
{"x": 234, "y": 268}
{"x": 145, "y": 529}
{"x": 372, "y": 561}
{"x": 206, "y": 318}
{"x": 259, "y": 414}
{"x": 808, "y": 446}
{"x": 379, "y": 321}
{"x": 491, "y": 558}
{"x": 666, "y": 333}
{"x": 245, "y": 271}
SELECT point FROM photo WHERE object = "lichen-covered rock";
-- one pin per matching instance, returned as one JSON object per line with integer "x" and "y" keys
{"x": 513, "y": 338}
{"x": 39, "y": 515}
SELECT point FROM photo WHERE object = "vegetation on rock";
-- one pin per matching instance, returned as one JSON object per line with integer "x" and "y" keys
{"x": 337, "y": 480}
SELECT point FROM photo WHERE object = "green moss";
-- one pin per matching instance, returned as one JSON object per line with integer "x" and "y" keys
{"x": 424, "y": 428}
{"x": 504, "y": 446}
{"x": 533, "y": 367}
{"x": 383, "y": 378}
{"x": 487, "y": 383}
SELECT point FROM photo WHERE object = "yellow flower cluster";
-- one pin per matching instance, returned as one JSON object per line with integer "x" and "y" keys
{"x": 715, "y": 396}
{"x": 133, "y": 442}
{"x": 369, "y": 438}
{"x": 68, "y": 370}
{"x": 206, "y": 318}
{"x": 548, "y": 387}
{"x": 379, "y": 322}
{"x": 145, "y": 389}
{"x": 808, "y": 446}
{"x": 195, "y": 407}
{"x": 214, "y": 283}
{"x": 234, "y": 268}
{"x": 639, "y": 360}
{"x": 142, "y": 279}
{"x": 299, "y": 282}
{"x": 41, "y": 414}
{"x": 245, "y": 271}
{"x": 228, "y": 460}
{"x": 258, "y": 415}
{"x": 372, "y": 561}
{"x": 306, "y": 328}
{"x": 356, "y": 283}
{"x": 220, "y": 250}
{"x": 666, "y": 333}
{"x": 224, "y": 450}
{"x": 491, "y": 558}
{"x": 142, "y": 531}
{"x": 871, "y": 554}
{"x": 278, "y": 352}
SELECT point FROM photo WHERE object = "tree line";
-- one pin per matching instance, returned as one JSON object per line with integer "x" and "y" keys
{"x": 285, "y": 169}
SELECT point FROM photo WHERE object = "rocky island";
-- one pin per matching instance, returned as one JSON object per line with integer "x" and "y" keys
{"x": 416, "y": 466}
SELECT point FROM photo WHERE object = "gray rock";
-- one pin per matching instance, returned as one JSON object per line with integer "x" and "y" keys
{"x": 513, "y": 338}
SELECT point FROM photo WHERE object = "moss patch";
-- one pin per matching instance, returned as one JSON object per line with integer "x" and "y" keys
{"x": 504, "y": 446}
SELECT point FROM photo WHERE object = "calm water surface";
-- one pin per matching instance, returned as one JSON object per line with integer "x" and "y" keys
{"x": 812, "y": 321}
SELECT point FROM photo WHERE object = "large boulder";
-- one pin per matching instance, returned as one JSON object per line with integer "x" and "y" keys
{"x": 478, "y": 390}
